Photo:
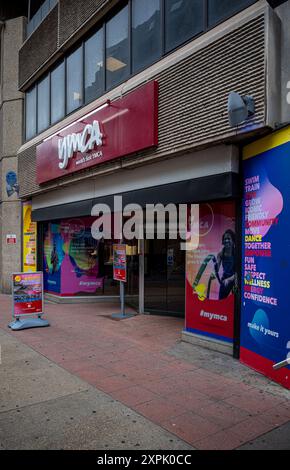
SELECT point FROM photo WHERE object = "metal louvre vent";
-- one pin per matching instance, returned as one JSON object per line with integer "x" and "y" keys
{"x": 194, "y": 93}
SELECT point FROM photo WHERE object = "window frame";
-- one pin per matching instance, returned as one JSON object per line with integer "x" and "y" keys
{"x": 99, "y": 28}
{"x": 161, "y": 41}
{"x": 47, "y": 76}
{"x": 79, "y": 47}
{"x": 58, "y": 64}
{"x": 122, "y": 5}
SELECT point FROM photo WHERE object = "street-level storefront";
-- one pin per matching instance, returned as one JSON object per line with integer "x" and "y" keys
{"x": 163, "y": 277}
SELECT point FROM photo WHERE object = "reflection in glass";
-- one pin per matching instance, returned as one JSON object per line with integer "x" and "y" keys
{"x": 94, "y": 66}
{"x": 183, "y": 20}
{"x": 146, "y": 38}
{"x": 220, "y": 9}
{"x": 74, "y": 80}
{"x": 57, "y": 93}
{"x": 43, "y": 104}
{"x": 117, "y": 51}
{"x": 30, "y": 114}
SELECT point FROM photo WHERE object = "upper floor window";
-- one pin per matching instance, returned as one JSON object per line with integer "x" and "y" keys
{"x": 43, "y": 118}
{"x": 57, "y": 93}
{"x": 117, "y": 51}
{"x": 30, "y": 111}
{"x": 221, "y": 9}
{"x": 146, "y": 33}
{"x": 74, "y": 80}
{"x": 94, "y": 65}
{"x": 183, "y": 20}
{"x": 137, "y": 35}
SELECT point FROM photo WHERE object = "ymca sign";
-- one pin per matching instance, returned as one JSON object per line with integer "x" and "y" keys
{"x": 115, "y": 129}
{"x": 81, "y": 142}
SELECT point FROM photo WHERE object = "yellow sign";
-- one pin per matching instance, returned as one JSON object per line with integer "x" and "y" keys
{"x": 269, "y": 142}
{"x": 29, "y": 240}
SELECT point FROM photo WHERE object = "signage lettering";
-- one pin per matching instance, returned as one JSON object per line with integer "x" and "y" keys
{"x": 81, "y": 142}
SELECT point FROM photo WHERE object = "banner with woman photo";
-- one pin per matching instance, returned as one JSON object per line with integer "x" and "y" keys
{"x": 211, "y": 273}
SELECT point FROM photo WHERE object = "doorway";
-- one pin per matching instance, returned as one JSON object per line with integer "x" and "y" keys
{"x": 164, "y": 278}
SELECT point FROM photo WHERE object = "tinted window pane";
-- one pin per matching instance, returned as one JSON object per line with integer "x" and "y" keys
{"x": 45, "y": 9}
{"x": 30, "y": 113}
{"x": 183, "y": 20}
{"x": 52, "y": 4}
{"x": 94, "y": 67}
{"x": 57, "y": 93}
{"x": 43, "y": 104}
{"x": 220, "y": 9}
{"x": 117, "y": 53}
{"x": 74, "y": 80}
{"x": 146, "y": 32}
{"x": 36, "y": 19}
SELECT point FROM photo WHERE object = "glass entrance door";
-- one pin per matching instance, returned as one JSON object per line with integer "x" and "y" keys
{"x": 164, "y": 291}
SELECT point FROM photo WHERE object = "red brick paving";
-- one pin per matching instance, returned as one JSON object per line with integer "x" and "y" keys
{"x": 129, "y": 360}
{"x": 191, "y": 427}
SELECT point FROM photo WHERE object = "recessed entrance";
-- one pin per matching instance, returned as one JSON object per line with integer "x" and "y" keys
{"x": 164, "y": 278}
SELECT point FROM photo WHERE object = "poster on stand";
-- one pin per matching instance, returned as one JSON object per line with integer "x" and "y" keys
{"x": 265, "y": 315}
{"x": 27, "y": 294}
{"x": 211, "y": 273}
{"x": 120, "y": 263}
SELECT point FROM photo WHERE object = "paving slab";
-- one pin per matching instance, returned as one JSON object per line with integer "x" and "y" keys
{"x": 278, "y": 439}
{"x": 45, "y": 407}
{"x": 200, "y": 398}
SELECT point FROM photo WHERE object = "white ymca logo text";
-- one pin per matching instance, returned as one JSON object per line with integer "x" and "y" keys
{"x": 90, "y": 138}
{"x": 213, "y": 316}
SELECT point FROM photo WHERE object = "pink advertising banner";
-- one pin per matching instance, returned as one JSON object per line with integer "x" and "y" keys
{"x": 115, "y": 129}
{"x": 211, "y": 274}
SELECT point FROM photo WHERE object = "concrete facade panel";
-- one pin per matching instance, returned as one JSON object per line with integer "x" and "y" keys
{"x": 7, "y": 165}
{"x": 11, "y": 253}
{"x": 12, "y": 126}
{"x": 13, "y": 36}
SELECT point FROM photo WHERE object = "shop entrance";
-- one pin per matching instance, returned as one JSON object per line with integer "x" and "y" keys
{"x": 164, "y": 278}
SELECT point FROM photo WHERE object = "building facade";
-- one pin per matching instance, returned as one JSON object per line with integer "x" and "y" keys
{"x": 129, "y": 98}
{"x": 11, "y": 122}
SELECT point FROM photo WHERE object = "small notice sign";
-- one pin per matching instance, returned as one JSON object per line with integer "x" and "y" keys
{"x": 11, "y": 239}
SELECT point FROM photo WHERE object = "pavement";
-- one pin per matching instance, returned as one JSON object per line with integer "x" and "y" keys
{"x": 91, "y": 382}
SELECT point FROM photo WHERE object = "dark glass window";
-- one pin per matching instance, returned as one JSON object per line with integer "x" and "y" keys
{"x": 57, "y": 93}
{"x": 221, "y": 9}
{"x": 43, "y": 104}
{"x": 146, "y": 37}
{"x": 183, "y": 20}
{"x": 74, "y": 80}
{"x": 94, "y": 66}
{"x": 30, "y": 113}
{"x": 83, "y": 76}
{"x": 117, "y": 52}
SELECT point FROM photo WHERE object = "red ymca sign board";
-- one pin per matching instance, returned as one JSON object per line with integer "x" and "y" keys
{"x": 118, "y": 128}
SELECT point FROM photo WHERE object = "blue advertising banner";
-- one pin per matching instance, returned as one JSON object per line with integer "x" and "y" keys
{"x": 265, "y": 314}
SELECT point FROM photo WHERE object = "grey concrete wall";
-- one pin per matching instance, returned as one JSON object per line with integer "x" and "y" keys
{"x": 283, "y": 12}
{"x": 11, "y": 119}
